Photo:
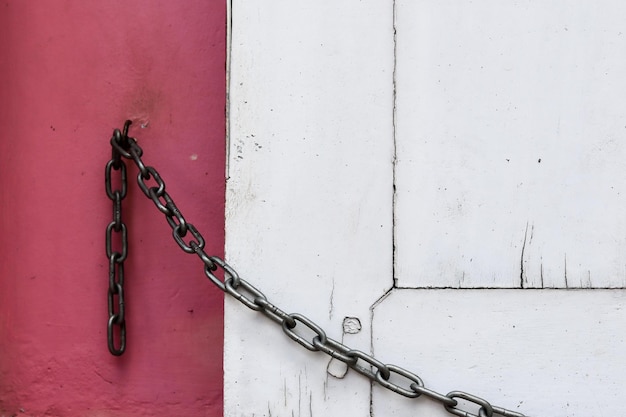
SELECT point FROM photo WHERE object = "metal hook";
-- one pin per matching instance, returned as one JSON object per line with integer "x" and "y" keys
{"x": 127, "y": 124}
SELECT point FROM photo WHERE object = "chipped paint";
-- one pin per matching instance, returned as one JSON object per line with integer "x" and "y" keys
{"x": 351, "y": 325}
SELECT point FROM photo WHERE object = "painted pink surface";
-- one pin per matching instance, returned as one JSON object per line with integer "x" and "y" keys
{"x": 70, "y": 72}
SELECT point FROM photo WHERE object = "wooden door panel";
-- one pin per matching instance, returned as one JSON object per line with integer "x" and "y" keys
{"x": 510, "y": 143}
{"x": 309, "y": 195}
{"x": 539, "y": 352}
{"x": 379, "y": 151}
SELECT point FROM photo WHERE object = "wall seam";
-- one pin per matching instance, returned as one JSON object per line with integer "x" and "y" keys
{"x": 395, "y": 149}
{"x": 229, "y": 44}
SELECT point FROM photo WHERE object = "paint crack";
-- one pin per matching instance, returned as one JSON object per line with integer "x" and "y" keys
{"x": 522, "y": 276}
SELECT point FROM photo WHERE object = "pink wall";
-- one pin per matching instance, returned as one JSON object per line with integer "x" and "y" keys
{"x": 70, "y": 72}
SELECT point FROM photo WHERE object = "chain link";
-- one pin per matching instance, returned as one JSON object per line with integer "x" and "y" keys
{"x": 294, "y": 324}
{"x": 116, "y": 242}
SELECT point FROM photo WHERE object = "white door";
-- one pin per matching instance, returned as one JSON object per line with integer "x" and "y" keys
{"x": 438, "y": 184}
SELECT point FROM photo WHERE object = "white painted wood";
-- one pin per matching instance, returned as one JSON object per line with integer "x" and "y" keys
{"x": 309, "y": 194}
{"x": 511, "y": 143}
{"x": 484, "y": 90}
{"x": 552, "y": 353}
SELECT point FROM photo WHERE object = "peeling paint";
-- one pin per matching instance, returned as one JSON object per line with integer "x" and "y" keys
{"x": 335, "y": 367}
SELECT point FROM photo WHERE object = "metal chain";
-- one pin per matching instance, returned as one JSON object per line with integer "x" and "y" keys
{"x": 392, "y": 377}
{"x": 116, "y": 235}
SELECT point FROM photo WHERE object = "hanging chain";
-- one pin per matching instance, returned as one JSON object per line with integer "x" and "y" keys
{"x": 392, "y": 377}
{"x": 116, "y": 235}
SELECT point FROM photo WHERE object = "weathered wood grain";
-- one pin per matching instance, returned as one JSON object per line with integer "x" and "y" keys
{"x": 556, "y": 353}
{"x": 309, "y": 199}
{"x": 506, "y": 154}
{"x": 511, "y": 144}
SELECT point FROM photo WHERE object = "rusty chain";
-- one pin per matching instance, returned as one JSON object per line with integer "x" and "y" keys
{"x": 404, "y": 382}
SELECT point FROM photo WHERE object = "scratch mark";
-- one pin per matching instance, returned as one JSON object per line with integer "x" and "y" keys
{"x": 310, "y": 403}
{"x": 541, "y": 272}
{"x": 521, "y": 275}
{"x": 103, "y": 378}
{"x": 269, "y": 410}
{"x": 372, "y": 316}
{"x": 300, "y": 393}
{"x": 332, "y": 297}
{"x": 285, "y": 390}
{"x": 326, "y": 388}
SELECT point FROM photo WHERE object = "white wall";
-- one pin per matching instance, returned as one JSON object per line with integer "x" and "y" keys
{"x": 447, "y": 187}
